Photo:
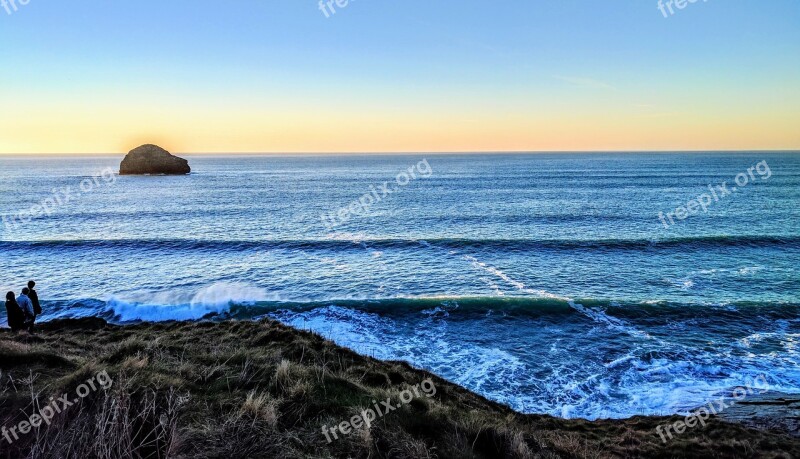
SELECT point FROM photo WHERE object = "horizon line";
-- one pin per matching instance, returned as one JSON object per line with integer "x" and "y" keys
{"x": 378, "y": 153}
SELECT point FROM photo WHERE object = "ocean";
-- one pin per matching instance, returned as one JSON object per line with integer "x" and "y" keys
{"x": 576, "y": 285}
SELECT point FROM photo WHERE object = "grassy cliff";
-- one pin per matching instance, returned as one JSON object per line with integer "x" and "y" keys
{"x": 261, "y": 389}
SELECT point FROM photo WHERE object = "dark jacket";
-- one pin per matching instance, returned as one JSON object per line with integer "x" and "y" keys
{"x": 16, "y": 319}
{"x": 37, "y": 308}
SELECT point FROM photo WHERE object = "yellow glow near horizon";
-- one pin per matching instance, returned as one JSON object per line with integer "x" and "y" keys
{"x": 544, "y": 115}
{"x": 112, "y": 130}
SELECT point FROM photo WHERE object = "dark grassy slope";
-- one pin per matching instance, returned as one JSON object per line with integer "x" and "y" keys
{"x": 261, "y": 389}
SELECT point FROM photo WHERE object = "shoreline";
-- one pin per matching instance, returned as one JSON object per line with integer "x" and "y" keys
{"x": 276, "y": 385}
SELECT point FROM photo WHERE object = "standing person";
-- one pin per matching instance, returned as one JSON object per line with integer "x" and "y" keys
{"x": 37, "y": 308}
{"x": 27, "y": 308}
{"x": 15, "y": 316}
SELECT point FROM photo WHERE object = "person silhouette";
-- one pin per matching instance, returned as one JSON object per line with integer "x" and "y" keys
{"x": 16, "y": 318}
{"x": 25, "y": 304}
{"x": 34, "y": 296}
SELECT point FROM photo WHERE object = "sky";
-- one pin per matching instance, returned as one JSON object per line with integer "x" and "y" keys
{"x": 282, "y": 76}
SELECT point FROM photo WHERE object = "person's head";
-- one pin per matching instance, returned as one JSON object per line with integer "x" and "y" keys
{"x": 10, "y": 296}
{"x": 31, "y": 284}
{"x": 25, "y": 291}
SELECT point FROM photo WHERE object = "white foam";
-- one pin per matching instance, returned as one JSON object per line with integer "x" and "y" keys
{"x": 560, "y": 382}
{"x": 221, "y": 294}
{"x": 171, "y": 305}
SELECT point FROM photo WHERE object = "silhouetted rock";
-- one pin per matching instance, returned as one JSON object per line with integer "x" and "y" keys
{"x": 152, "y": 159}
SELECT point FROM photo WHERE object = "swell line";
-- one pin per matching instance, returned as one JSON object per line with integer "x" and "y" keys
{"x": 708, "y": 242}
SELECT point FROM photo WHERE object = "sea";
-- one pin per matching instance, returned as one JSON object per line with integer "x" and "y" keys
{"x": 580, "y": 285}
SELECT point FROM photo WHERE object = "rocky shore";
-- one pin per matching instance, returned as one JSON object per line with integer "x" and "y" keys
{"x": 261, "y": 389}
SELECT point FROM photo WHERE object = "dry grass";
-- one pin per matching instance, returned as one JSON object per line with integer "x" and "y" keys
{"x": 262, "y": 407}
{"x": 260, "y": 389}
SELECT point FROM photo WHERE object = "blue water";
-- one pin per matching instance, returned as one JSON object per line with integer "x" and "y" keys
{"x": 547, "y": 282}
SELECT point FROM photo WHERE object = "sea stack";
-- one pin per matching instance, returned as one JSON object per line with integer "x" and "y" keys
{"x": 153, "y": 160}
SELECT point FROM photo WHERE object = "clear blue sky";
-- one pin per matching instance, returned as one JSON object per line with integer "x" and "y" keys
{"x": 269, "y": 75}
